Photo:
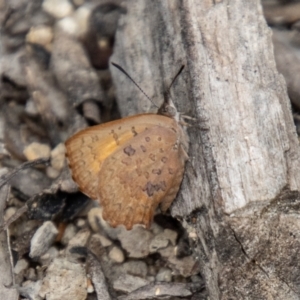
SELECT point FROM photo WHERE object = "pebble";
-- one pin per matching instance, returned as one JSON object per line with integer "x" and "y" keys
{"x": 69, "y": 26}
{"x": 136, "y": 241}
{"x": 9, "y": 212}
{"x": 136, "y": 268}
{"x": 30, "y": 289}
{"x": 90, "y": 287}
{"x": 46, "y": 258}
{"x": 58, "y": 157}
{"x": 116, "y": 254}
{"x": 80, "y": 239}
{"x": 81, "y": 16}
{"x": 159, "y": 241}
{"x": 69, "y": 233}
{"x": 20, "y": 266}
{"x": 43, "y": 239}
{"x": 80, "y": 223}
{"x": 128, "y": 283}
{"x": 94, "y": 216}
{"x": 64, "y": 280}
{"x": 164, "y": 274}
{"x": 155, "y": 228}
{"x": 36, "y": 150}
{"x": 42, "y": 35}
{"x": 163, "y": 239}
{"x": 58, "y": 8}
{"x": 52, "y": 173}
{"x": 30, "y": 108}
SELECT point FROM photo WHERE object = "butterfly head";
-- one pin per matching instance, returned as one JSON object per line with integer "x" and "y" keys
{"x": 168, "y": 108}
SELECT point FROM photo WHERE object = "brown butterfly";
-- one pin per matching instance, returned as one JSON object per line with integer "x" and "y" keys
{"x": 131, "y": 165}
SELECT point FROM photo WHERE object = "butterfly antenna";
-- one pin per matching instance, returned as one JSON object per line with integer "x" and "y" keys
{"x": 124, "y": 72}
{"x": 178, "y": 73}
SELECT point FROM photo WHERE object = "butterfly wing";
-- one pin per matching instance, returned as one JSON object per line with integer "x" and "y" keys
{"x": 88, "y": 149}
{"x": 144, "y": 171}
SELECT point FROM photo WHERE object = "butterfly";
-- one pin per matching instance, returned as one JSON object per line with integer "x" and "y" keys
{"x": 132, "y": 165}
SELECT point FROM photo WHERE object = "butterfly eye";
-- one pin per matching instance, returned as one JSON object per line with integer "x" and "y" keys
{"x": 168, "y": 111}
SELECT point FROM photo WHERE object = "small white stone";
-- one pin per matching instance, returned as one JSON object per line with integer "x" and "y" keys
{"x": 81, "y": 17}
{"x": 37, "y": 150}
{"x": 42, "y": 239}
{"x": 80, "y": 223}
{"x": 80, "y": 239}
{"x": 58, "y": 8}
{"x": 69, "y": 26}
{"x": 45, "y": 256}
{"x": 94, "y": 217}
{"x": 164, "y": 274}
{"x": 163, "y": 239}
{"x": 9, "y": 212}
{"x": 30, "y": 108}
{"x": 69, "y": 233}
{"x": 193, "y": 235}
{"x": 116, "y": 254}
{"x": 42, "y": 35}
{"x": 20, "y": 266}
{"x": 52, "y": 173}
{"x": 58, "y": 157}
{"x": 90, "y": 288}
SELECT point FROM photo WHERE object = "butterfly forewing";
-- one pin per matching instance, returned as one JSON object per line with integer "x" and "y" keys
{"x": 88, "y": 149}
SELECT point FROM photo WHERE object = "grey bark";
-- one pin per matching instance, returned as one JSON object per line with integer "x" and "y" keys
{"x": 240, "y": 193}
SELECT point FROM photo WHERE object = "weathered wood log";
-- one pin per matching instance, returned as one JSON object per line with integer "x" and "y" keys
{"x": 240, "y": 194}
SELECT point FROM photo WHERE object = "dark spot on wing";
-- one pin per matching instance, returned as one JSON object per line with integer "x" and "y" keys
{"x": 129, "y": 150}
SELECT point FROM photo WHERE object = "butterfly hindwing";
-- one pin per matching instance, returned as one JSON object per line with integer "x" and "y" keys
{"x": 139, "y": 175}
